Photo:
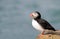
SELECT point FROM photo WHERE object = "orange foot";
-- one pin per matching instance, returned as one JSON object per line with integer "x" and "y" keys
{"x": 41, "y": 35}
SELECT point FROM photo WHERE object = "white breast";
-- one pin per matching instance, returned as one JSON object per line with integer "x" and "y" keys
{"x": 36, "y": 25}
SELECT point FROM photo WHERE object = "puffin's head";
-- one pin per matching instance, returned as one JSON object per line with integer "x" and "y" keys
{"x": 35, "y": 15}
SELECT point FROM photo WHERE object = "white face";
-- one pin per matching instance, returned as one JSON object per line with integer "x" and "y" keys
{"x": 34, "y": 15}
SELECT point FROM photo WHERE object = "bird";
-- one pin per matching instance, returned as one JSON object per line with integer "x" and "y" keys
{"x": 39, "y": 23}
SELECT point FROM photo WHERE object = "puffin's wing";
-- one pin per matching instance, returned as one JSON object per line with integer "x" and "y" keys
{"x": 46, "y": 25}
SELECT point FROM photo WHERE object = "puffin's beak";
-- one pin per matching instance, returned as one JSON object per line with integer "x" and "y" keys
{"x": 31, "y": 15}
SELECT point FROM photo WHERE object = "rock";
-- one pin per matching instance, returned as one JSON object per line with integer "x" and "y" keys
{"x": 48, "y": 36}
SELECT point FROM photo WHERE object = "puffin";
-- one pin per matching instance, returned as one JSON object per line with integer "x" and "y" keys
{"x": 39, "y": 23}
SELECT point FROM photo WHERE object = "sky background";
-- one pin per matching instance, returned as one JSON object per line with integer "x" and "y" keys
{"x": 15, "y": 22}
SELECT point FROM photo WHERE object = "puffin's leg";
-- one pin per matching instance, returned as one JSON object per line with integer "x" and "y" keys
{"x": 42, "y": 33}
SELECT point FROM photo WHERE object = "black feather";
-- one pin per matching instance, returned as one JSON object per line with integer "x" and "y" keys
{"x": 45, "y": 24}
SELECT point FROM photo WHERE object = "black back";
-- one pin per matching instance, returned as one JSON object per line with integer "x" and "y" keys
{"x": 45, "y": 24}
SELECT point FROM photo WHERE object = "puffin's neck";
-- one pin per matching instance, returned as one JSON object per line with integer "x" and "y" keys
{"x": 37, "y": 19}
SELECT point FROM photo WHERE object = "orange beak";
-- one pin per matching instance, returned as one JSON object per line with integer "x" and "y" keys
{"x": 30, "y": 14}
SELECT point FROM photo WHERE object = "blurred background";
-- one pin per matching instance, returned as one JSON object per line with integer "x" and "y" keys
{"x": 15, "y": 22}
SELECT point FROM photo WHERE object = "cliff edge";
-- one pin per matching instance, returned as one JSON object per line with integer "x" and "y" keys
{"x": 50, "y": 35}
